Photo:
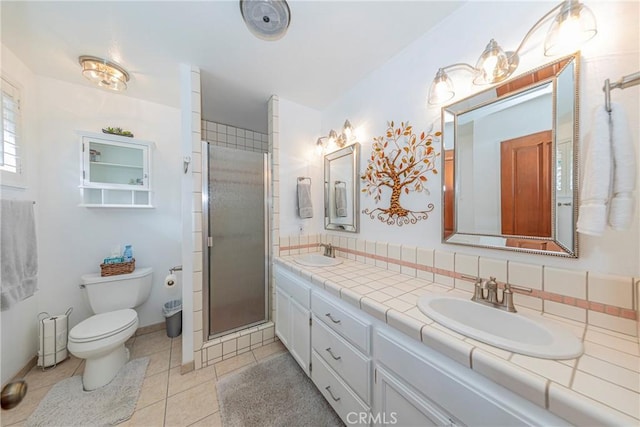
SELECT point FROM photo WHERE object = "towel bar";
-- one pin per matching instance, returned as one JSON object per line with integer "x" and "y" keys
{"x": 302, "y": 178}
{"x": 624, "y": 82}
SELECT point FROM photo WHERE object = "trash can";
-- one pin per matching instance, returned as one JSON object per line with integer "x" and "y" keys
{"x": 172, "y": 311}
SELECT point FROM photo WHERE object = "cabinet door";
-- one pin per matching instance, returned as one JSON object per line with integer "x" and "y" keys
{"x": 112, "y": 164}
{"x": 397, "y": 403}
{"x": 300, "y": 334}
{"x": 283, "y": 317}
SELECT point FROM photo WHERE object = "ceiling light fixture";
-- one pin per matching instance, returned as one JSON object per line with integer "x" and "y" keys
{"x": 106, "y": 74}
{"x": 266, "y": 19}
{"x": 573, "y": 24}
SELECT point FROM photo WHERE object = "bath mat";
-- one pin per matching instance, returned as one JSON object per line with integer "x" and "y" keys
{"x": 275, "y": 392}
{"x": 67, "y": 404}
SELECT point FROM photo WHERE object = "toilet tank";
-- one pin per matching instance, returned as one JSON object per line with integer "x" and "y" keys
{"x": 117, "y": 292}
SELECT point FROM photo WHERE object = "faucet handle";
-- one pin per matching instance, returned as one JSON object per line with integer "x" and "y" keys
{"x": 507, "y": 299}
{"x": 478, "y": 287}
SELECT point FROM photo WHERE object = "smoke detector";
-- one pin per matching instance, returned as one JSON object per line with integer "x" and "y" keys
{"x": 266, "y": 19}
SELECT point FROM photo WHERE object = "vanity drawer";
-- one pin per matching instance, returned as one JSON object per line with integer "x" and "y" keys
{"x": 344, "y": 359}
{"x": 347, "y": 325}
{"x": 293, "y": 286}
{"x": 340, "y": 397}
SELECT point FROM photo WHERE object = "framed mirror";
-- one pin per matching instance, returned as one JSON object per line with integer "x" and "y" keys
{"x": 510, "y": 164}
{"x": 341, "y": 189}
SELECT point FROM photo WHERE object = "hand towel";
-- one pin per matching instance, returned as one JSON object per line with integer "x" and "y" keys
{"x": 341, "y": 201}
{"x": 305, "y": 207}
{"x": 18, "y": 252}
{"x": 596, "y": 180}
{"x": 624, "y": 171}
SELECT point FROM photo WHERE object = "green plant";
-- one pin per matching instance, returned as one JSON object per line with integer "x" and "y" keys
{"x": 117, "y": 131}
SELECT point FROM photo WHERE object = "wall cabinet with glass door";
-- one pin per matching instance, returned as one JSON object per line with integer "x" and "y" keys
{"x": 115, "y": 171}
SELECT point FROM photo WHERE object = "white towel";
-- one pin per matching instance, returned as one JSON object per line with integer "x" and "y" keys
{"x": 305, "y": 207}
{"x": 18, "y": 252}
{"x": 596, "y": 181}
{"x": 624, "y": 171}
{"x": 341, "y": 201}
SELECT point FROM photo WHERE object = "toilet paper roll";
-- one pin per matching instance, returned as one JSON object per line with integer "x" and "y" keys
{"x": 170, "y": 281}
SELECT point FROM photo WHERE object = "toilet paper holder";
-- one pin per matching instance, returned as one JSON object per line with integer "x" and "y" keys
{"x": 174, "y": 269}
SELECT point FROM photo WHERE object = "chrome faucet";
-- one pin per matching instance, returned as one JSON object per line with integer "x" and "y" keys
{"x": 329, "y": 250}
{"x": 491, "y": 298}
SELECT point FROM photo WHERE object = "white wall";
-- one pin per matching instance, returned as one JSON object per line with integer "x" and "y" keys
{"x": 398, "y": 91}
{"x": 299, "y": 130}
{"x": 18, "y": 324}
{"x": 73, "y": 240}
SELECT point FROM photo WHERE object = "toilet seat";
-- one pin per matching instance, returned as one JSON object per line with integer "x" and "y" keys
{"x": 103, "y": 325}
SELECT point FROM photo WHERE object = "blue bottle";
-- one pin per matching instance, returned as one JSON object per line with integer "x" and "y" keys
{"x": 128, "y": 253}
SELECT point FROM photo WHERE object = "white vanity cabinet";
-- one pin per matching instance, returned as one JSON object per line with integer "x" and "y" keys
{"x": 341, "y": 357}
{"x": 415, "y": 385}
{"x": 115, "y": 171}
{"x": 293, "y": 315}
{"x": 371, "y": 373}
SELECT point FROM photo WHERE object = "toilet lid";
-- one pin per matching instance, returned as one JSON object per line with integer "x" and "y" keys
{"x": 103, "y": 325}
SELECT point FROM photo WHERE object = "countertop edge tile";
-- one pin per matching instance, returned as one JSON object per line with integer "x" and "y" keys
{"x": 351, "y": 297}
{"x": 448, "y": 345}
{"x": 528, "y": 385}
{"x": 332, "y": 287}
{"x": 405, "y": 324}
{"x": 374, "y": 308}
{"x": 582, "y": 410}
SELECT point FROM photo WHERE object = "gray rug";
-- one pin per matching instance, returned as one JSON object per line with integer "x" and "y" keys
{"x": 67, "y": 404}
{"x": 272, "y": 393}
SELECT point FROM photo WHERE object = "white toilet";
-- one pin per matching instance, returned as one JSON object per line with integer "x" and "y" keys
{"x": 100, "y": 338}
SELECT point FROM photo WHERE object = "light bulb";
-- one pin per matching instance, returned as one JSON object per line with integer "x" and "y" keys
{"x": 574, "y": 25}
{"x": 441, "y": 89}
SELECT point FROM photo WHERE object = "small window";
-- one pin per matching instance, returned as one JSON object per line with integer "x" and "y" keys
{"x": 10, "y": 160}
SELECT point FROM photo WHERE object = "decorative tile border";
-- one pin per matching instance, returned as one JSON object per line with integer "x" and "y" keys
{"x": 611, "y": 310}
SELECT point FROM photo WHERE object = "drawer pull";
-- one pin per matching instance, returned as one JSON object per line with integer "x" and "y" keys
{"x": 328, "y": 388}
{"x": 333, "y": 355}
{"x": 332, "y": 319}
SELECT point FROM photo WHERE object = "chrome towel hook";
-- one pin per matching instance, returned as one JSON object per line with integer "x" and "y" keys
{"x": 186, "y": 160}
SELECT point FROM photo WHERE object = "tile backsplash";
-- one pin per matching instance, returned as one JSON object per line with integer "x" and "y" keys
{"x": 601, "y": 300}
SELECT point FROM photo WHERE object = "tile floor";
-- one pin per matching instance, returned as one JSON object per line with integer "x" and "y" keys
{"x": 167, "y": 398}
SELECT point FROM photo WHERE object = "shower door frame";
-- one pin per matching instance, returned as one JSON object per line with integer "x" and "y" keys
{"x": 207, "y": 243}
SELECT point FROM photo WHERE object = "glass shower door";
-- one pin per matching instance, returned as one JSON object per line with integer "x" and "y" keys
{"x": 237, "y": 213}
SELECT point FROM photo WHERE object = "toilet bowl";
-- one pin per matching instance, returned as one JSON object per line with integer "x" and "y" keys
{"x": 100, "y": 338}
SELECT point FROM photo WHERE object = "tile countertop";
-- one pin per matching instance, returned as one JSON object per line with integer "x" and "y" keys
{"x": 602, "y": 386}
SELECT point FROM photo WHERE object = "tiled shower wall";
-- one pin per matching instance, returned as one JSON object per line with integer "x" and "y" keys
{"x": 607, "y": 301}
{"x": 212, "y": 351}
{"x": 232, "y": 137}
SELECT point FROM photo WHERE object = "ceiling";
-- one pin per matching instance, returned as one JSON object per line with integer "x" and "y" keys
{"x": 329, "y": 46}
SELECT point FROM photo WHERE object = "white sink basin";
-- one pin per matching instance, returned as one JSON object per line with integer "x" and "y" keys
{"x": 509, "y": 331}
{"x": 316, "y": 260}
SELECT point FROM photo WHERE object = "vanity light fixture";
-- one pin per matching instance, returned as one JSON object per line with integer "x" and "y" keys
{"x": 106, "y": 74}
{"x": 333, "y": 140}
{"x": 573, "y": 24}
